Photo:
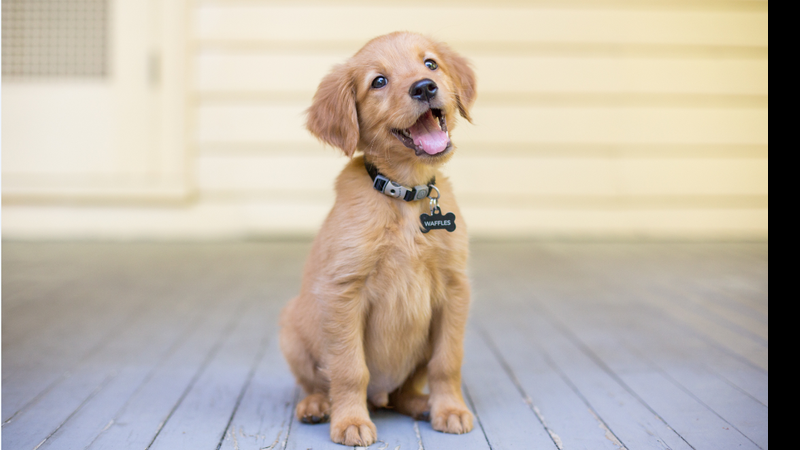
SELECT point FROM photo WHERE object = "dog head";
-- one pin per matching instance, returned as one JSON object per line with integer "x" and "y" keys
{"x": 396, "y": 99}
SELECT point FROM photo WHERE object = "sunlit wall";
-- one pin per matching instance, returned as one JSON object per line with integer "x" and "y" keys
{"x": 632, "y": 119}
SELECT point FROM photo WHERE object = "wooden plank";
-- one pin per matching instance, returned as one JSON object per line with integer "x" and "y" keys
{"x": 304, "y": 436}
{"x": 264, "y": 417}
{"x": 394, "y": 431}
{"x": 697, "y": 424}
{"x": 507, "y": 124}
{"x": 258, "y": 73}
{"x": 39, "y": 421}
{"x": 264, "y": 172}
{"x": 569, "y": 420}
{"x": 677, "y": 348}
{"x": 85, "y": 424}
{"x": 623, "y": 414}
{"x": 636, "y": 349}
{"x": 746, "y": 320}
{"x": 202, "y": 416}
{"x": 247, "y": 218}
{"x": 569, "y": 330}
{"x": 259, "y": 22}
{"x": 554, "y": 222}
{"x": 140, "y": 363}
{"x": 59, "y": 405}
{"x": 46, "y": 311}
{"x": 246, "y": 123}
{"x": 79, "y": 407}
{"x": 551, "y": 150}
{"x": 518, "y": 176}
{"x": 32, "y": 377}
{"x": 747, "y": 346}
{"x": 241, "y": 268}
{"x": 599, "y": 318}
{"x": 143, "y": 415}
{"x": 502, "y": 413}
{"x": 204, "y": 220}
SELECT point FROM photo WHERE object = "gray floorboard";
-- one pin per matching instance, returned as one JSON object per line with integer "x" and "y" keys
{"x": 571, "y": 346}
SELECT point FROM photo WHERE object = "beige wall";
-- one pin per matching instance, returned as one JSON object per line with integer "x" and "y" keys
{"x": 594, "y": 118}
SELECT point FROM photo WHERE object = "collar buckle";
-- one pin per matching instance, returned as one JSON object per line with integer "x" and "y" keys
{"x": 396, "y": 190}
{"x": 389, "y": 187}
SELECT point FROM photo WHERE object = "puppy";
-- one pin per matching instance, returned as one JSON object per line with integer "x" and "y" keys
{"x": 384, "y": 298}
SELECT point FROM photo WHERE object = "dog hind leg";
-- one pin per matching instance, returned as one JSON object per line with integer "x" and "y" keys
{"x": 409, "y": 399}
{"x": 316, "y": 406}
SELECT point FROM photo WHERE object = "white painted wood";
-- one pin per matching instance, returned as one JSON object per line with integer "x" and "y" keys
{"x": 607, "y": 306}
{"x": 747, "y": 346}
{"x": 49, "y": 329}
{"x": 192, "y": 135}
{"x": 220, "y": 21}
{"x": 304, "y": 436}
{"x": 396, "y": 430}
{"x": 145, "y": 413}
{"x": 611, "y": 401}
{"x": 253, "y": 218}
{"x": 138, "y": 365}
{"x": 715, "y": 395}
{"x": 248, "y": 123}
{"x": 264, "y": 417}
{"x": 505, "y": 416}
{"x": 515, "y": 176}
{"x": 120, "y": 136}
{"x": 202, "y": 416}
{"x": 568, "y": 325}
{"x": 570, "y": 421}
{"x": 257, "y": 73}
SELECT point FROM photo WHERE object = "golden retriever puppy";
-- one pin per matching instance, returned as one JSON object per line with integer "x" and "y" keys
{"x": 385, "y": 295}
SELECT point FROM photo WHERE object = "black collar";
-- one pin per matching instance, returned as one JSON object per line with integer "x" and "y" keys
{"x": 396, "y": 190}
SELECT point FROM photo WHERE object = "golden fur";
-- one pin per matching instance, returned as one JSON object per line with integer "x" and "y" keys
{"x": 382, "y": 306}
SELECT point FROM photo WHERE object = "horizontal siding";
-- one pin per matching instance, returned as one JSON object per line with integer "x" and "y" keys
{"x": 592, "y": 117}
{"x": 283, "y": 122}
{"x": 252, "y": 21}
{"x": 237, "y": 74}
{"x": 593, "y": 177}
{"x": 257, "y": 218}
{"x": 606, "y": 118}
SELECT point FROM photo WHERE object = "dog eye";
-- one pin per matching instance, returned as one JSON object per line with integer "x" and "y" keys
{"x": 431, "y": 64}
{"x": 379, "y": 82}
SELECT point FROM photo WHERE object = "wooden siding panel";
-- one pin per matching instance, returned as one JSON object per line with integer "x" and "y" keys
{"x": 495, "y": 24}
{"x": 506, "y": 124}
{"x": 610, "y": 117}
{"x": 253, "y": 75}
{"x": 247, "y": 217}
{"x": 516, "y": 176}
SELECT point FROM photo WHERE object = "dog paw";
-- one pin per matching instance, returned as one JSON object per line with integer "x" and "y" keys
{"x": 354, "y": 432}
{"x": 452, "y": 420}
{"x": 315, "y": 408}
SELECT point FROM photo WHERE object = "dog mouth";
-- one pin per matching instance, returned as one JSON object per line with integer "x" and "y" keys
{"x": 428, "y": 135}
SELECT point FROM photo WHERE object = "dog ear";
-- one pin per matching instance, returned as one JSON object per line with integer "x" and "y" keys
{"x": 332, "y": 117}
{"x": 460, "y": 71}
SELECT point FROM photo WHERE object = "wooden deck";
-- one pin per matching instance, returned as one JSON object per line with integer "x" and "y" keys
{"x": 570, "y": 346}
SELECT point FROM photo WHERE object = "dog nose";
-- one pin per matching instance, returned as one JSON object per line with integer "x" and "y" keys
{"x": 423, "y": 90}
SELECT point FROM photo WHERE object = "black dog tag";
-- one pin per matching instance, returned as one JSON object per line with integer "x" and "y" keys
{"x": 437, "y": 221}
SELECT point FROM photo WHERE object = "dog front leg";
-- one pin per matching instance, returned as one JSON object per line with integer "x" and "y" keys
{"x": 449, "y": 413}
{"x": 349, "y": 375}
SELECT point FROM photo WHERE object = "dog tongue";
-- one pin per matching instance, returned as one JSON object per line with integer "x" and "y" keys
{"x": 427, "y": 135}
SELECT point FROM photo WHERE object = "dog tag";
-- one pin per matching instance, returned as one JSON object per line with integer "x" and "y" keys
{"x": 437, "y": 221}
